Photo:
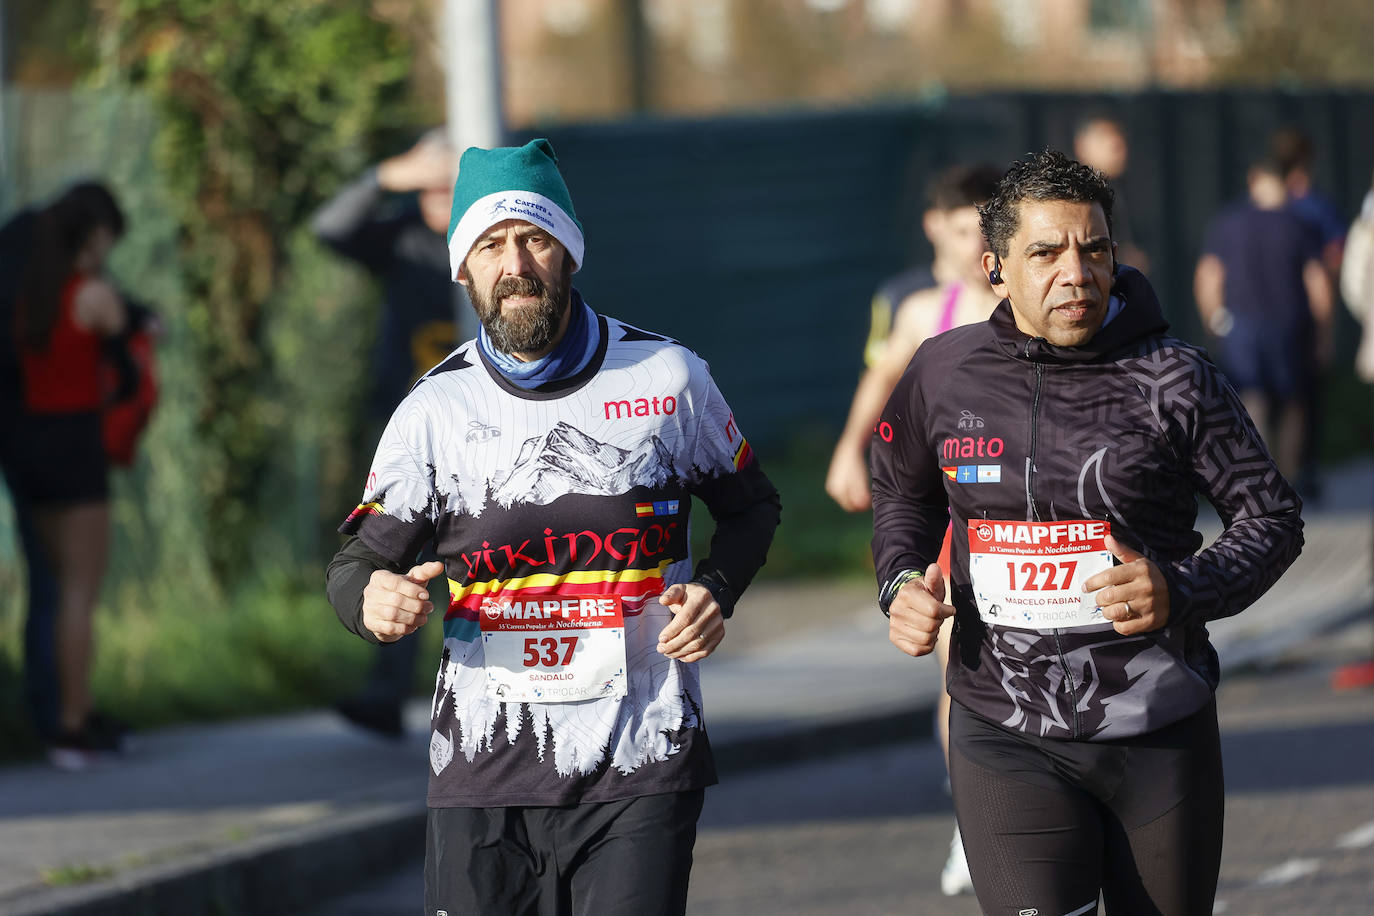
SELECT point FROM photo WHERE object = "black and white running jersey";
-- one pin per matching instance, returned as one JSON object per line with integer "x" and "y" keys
{"x": 544, "y": 505}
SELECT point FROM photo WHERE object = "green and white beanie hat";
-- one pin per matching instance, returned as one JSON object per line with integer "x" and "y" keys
{"x": 511, "y": 182}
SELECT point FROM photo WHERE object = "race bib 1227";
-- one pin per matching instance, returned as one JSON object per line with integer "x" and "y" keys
{"x": 1031, "y": 574}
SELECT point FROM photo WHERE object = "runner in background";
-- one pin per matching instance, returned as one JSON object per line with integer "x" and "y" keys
{"x": 1099, "y": 141}
{"x": 1262, "y": 291}
{"x": 965, "y": 297}
{"x": 951, "y": 224}
{"x": 1292, "y": 149}
{"x": 895, "y": 289}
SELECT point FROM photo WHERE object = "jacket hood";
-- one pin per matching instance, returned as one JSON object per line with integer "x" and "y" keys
{"x": 1140, "y": 318}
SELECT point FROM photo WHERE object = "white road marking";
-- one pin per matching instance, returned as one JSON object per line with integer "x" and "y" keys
{"x": 1358, "y": 838}
{"x": 1289, "y": 871}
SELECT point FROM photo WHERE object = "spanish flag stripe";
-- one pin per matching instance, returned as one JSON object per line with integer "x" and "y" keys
{"x": 551, "y": 582}
{"x": 469, "y": 606}
{"x": 743, "y": 454}
{"x": 373, "y": 508}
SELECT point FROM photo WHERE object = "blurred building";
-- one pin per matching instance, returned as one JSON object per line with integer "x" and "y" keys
{"x": 602, "y": 59}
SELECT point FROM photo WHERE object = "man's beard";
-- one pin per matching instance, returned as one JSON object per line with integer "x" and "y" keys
{"x": 527, "y": 329}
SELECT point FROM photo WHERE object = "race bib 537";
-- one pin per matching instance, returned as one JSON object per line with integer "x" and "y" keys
{"x": 554, "y": 648}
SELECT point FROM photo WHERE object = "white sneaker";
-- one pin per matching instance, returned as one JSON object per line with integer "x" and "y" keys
{"x": 954, "y": 877}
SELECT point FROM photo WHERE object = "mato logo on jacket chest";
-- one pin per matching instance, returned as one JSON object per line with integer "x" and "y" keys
{"x": 979, "y": 446}
{"x": 955, "y": 448}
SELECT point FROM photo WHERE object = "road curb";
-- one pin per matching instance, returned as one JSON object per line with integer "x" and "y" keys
{"x": 273, "y": 876}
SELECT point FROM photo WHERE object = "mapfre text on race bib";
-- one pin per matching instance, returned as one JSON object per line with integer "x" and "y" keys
{"x": 1030, "y": 574}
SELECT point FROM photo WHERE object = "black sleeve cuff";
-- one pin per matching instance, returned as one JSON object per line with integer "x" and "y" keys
{"x": 714, "y": 582}
{"x": 347, "y": 576}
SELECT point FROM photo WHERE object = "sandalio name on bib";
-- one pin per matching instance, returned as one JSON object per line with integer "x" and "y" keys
{"x": 553, "y": 648}
{"x": 1031, "y": 574}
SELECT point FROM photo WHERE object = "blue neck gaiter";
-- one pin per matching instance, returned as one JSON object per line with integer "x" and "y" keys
{"x": 567, "y": 359}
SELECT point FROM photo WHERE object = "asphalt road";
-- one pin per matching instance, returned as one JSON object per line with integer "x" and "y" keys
{"x": 867, "y": 832}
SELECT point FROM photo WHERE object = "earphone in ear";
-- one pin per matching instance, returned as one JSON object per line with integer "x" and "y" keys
{"x": 995, "y": 275}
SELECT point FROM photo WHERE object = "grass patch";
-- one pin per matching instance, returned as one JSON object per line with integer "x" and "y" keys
{"x": 817, "y": 539}
{"x": 274, "y": 645}
{"x": 165, "y": 656}
{"x": 74, "y": 874}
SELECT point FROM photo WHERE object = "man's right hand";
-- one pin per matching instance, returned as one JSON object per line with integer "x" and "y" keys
{"x": 431, "y": 163}
{"x": 916, "y": 613}
{"x": 847, "y": 481}
{"x": 396, "y": 605}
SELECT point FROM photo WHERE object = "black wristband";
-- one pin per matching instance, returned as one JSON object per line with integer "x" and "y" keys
{"x": 888, "y": 593}
{"x": 720, "y": 590}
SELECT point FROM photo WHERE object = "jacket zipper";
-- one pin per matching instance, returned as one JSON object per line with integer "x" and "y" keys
{"x": 1035, "y": 512}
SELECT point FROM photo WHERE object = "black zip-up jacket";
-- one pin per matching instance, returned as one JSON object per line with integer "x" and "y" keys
{"x": 1132, "y": 427}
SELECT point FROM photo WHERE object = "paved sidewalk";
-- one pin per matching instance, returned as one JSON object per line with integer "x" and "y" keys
{"x": 266, "y": 816}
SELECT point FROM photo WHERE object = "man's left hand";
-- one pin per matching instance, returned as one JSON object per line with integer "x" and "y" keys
{"x": 1134, "y": 595}
{"x": 696, "y": 628}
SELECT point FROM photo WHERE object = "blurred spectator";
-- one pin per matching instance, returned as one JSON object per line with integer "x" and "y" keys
{"x": 1291, "y": 149}
{"x": 1357, "y": 283}
{"x": 962, "y": 297}
{"x": 64, "y": 310}
{"x": 1357, "y": 288}
{"x": 40, "y": 659}
{"x": 393, "y": 220}
{"x": 1100, "y": 141}
{"x": 1262, "y": 291}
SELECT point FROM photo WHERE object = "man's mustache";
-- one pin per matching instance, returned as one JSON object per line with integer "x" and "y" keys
{"x": 517, "y": 286}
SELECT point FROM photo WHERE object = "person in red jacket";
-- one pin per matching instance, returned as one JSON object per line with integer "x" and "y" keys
{"x": 64, "y": 311}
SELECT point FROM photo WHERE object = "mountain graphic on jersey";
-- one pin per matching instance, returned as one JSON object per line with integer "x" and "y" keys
{"x": 567, "y": 460}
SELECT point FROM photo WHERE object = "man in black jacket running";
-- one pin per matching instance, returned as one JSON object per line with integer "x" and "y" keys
{"x": 1067, "y": 440}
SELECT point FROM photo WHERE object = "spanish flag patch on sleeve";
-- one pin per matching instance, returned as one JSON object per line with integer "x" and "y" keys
{"x": 744, "y": 454}
{"x": 372, "y": 508}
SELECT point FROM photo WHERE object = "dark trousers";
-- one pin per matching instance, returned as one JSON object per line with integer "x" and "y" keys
{"x": 630, "y": 857}
{"x": 1049, "y": 824}
{"x": 40, "y": 640}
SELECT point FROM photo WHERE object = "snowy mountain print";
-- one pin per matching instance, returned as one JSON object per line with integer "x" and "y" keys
{"x": 567, "y": 460}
